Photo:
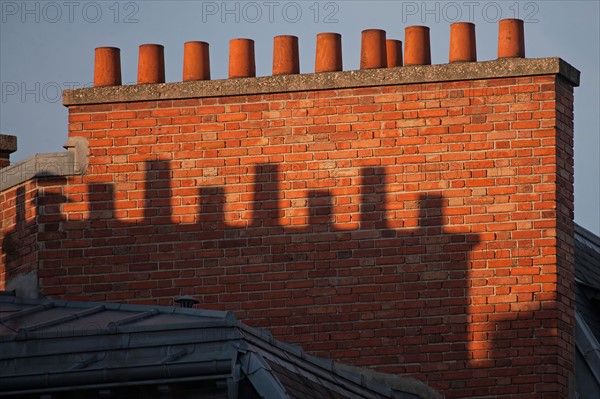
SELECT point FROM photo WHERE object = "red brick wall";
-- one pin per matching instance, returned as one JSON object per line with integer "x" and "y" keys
{"x": 565, "y": 296}
{"x": 19, "y": 226}
{"x": 419, "y": 229}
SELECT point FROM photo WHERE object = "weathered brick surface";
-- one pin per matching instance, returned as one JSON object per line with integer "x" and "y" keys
{"x": 422, "y": 229}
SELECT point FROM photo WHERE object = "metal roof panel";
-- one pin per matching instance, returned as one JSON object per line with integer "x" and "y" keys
{"x": 50, "y": 346}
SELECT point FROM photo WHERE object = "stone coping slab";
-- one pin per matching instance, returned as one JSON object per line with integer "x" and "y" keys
{"x": 8, "y": 143}
{"x": 460, "y": 71}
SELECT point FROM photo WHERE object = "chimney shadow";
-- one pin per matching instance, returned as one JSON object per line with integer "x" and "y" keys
{"x": 20, "y": 245}
{"x": 360, "y": 278}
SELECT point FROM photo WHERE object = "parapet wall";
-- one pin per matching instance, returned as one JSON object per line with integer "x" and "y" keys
{"x": 417, "y": 220}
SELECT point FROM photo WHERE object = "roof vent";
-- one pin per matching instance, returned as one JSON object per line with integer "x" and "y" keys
{"x": 186, "y": 301}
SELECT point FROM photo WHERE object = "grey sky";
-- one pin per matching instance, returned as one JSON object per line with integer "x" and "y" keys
{"x": 47, "y": 46}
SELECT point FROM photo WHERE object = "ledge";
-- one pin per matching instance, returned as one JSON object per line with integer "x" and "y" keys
{"x": 508, "y": 67}
{"x": 39, "y": 165}
{"x": 51, "y": 164}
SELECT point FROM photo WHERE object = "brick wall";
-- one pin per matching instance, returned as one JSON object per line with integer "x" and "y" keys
{"x": 420, "y": 228}
{"x": 19, "y": 243}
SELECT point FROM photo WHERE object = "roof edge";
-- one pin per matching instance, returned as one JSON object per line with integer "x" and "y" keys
{"x": 586, "y": 234}
{"x": 587, "y": 344}
{"x": 252, "y": 350}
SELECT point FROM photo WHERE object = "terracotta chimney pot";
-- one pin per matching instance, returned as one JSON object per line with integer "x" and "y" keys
{"x": 511, "y": 38}
{"x": 373, "y": 53}
{"x": 107, "y": 66}
{"x": 329, "y": 52}
{"x": 151, "y": 64}
{"x": 462, "y": 42}
{"x": 394, "y": 53}
{"x": 241, "y": 58}
{"x": 286, "y": 59}
{"x": 196, "y": 61}
{"x": 417, "y": 49}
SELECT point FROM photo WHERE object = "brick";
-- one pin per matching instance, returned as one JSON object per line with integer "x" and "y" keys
{"x": 412, "y": 227}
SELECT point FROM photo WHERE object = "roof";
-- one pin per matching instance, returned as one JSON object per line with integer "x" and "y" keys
{"x": 53, "y": 346}
{"x": 587, "y": 315}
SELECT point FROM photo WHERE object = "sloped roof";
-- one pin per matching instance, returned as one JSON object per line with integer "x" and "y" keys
{"x": 54, "y": 346}
{"x": 587, "y": 315}
{"x": 587, "y": 252}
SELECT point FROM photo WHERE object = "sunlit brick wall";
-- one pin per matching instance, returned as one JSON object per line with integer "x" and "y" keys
{"x": 421, "y": 229}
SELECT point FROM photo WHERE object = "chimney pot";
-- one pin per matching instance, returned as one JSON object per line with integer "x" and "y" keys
{"x": 241, "y": 58}
{"x": 462, "y": 42}
{"x": 286, "y": 59}
{"x": 107, "y": 66}
{"x": 373, "y": 52}
{"x": 394, "y": 53}
{"x": 196, "y": 61}
{"x": 511, "y": 38}
{"x": 417, "y": 49}
{"x": 329, "y": 52}
{"x": 151, "y": 64}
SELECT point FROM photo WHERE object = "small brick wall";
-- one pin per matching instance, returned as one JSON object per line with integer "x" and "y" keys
{"x": 423, "y": 229}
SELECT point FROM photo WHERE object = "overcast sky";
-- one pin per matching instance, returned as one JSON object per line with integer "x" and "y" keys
{"x": 47, "y": 46}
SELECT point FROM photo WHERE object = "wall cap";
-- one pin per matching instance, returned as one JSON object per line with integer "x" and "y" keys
{"x": 502, "y": 68}
{"x": 8, "y": 143}
{"x": 51, "y": 164}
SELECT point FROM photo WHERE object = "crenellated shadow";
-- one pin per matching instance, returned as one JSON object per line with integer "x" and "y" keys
{"x": 12, "y": 242}
{"x": 357, "y": 272}
{"x": 38, "y": 219}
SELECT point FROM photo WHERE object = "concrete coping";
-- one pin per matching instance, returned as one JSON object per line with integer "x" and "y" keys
{"x": 51, "y": 164}
{"x": 39, "y": 165}
{"x": 459, "y": 71}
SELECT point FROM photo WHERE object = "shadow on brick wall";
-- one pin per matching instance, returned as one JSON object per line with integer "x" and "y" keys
{"x": 388, "y": 288}
{"x": 34, "y": 213}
